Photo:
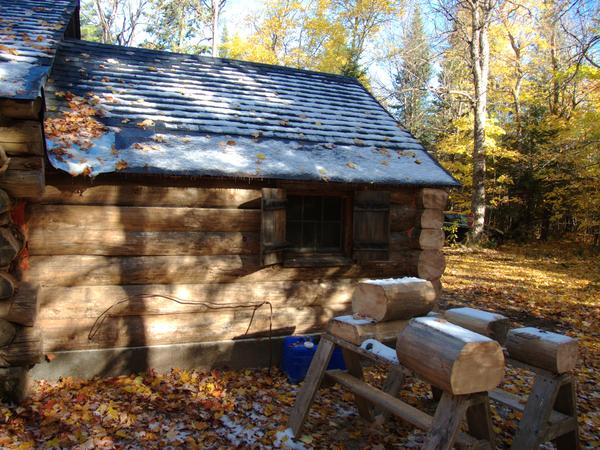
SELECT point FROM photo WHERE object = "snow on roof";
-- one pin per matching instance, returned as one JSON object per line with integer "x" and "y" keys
{"x": 30, "y": 31}
{"x": 191, "y": 115}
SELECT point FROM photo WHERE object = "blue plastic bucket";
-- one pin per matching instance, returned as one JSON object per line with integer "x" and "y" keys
{"x": 298, "y": 352}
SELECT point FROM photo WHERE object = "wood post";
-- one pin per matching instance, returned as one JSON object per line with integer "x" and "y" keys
{"x": 311, "y": 384}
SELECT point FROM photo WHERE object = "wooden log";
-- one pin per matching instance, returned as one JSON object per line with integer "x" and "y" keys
{"x": 426, "y": 264}
{"x": 23, "y": 183}
{"x": 218, "y": 325}
{"x": 432, "y": 198}
{"x": 393, "y": 299}
{"x": 489, "y": 324}
{"x": 430, "y": 219}
{"x": 11, "y": 244}
{"x": 134, "y": 218}
{"x": 80, "y": 270}
{"x": 24, "y": 350}
{"x": 23, "y": 308}
{"x": 91, "y": 301}
{"x": 417, "y": 238}
{"x": 55, "y": 241}
{"x": 356, "y": 331}
{"x": 452, "y": 358}
{"x": 137, "y": 195}
{"x": 406, "y": 197}
{"x": 15, "y": 384}
{"x": 20, "y": 109}
{"x": 7, "y": 332}
{"x": 402, "y": 217}
{"x": 5, "y": 202}
{"x": 554, "y": 352}
{"x": 20, "y": 130}
{"x": 7, "y": 285}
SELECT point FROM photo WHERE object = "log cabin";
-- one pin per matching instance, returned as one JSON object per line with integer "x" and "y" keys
{"x": 162, "y": 209}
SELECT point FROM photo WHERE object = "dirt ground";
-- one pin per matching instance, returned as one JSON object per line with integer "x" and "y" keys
{"x": 552, "y": 287}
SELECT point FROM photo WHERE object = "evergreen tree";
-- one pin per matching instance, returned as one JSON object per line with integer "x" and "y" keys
{"x": 412, "y": 80}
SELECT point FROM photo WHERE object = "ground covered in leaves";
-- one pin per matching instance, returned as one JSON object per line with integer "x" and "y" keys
{"x": 553, "y": 288}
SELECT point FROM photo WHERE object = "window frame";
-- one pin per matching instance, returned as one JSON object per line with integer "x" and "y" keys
{"x": 294, "y": 257}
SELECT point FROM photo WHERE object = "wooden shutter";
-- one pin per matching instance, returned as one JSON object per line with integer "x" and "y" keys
{"x": 272, "y": 242}
{"x": 371, "y": 225}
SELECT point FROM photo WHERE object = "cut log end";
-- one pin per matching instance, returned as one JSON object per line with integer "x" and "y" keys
{"x": 393, "y": 299}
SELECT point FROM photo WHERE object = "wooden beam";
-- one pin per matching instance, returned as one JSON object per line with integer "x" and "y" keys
{"x": 74, "y": 193}
{"x": 394, "y": 405}
{"x": 56, "y": 241}
{"x": 133, "y": 218}
{"x": 24, "y": 350}
{"x": 24, "y": 178}
{"x": 82, "y": 270}
{"x": 21, "y": 137}
{"x": 91, "y": 301}
{"x": 21, "y": 109}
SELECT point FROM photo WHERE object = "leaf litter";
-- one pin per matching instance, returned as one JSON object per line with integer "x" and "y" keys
{"x": 551, "y": 289}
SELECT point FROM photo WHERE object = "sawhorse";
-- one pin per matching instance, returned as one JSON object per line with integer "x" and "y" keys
{"x": 443, "y": 429}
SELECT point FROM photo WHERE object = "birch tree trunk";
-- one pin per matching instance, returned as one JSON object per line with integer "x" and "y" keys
{"x": 216, "y": 9}
{"x": 480, "y": 11}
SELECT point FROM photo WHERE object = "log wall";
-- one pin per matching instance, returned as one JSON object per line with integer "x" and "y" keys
{"x": 154, "y": 257}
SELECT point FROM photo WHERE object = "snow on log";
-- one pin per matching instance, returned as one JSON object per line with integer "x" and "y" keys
{"x": 452, "y": 358}
{"x": 550, "y": 351}
{"x": 393, "y": 298}
{"x": 489, "y": 324}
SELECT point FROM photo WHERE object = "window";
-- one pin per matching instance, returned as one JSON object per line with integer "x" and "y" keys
{"x": 314, "y": 224}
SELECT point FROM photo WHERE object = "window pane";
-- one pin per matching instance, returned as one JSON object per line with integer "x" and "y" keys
{"x": 312, "y": 208}
{"x": 294, "y": 207}
{"x": 332, "y": 208}
{"x": 294, "y": 233}
{"x": 309, "y": 235}
{"x": 330, "y": 236}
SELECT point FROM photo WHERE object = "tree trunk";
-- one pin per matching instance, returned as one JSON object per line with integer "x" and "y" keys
{"x": 215, "y": 27}
{"x": 480, "y": 58}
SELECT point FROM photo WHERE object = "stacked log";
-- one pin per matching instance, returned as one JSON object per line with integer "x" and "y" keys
{"x": 393, "y": 299}
{"x": 20, "y": 342}
{"x": 416, "y": 219}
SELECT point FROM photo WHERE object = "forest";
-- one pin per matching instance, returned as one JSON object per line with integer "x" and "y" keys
{"x": 504, "y": 93}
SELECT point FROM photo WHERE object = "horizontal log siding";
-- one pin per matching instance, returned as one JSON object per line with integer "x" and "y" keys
{"x": 135, "y": 246}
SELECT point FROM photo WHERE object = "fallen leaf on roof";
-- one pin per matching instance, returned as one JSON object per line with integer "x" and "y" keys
{"x": 350, "y": 165}
{"x": 10, "y": 50}
{"x": 358, "y": 141}
{"x": 113, "y": 150}
{"x": 40, "y": 38}
{"x": 159, "y": 138}
{"x": 105, "y": 80}
{"x": 59, "y": 94}
{"x": 317, "y": 123}
{"x": 284, "y": 123}
{"x": 256, "y": 134}
{"x": 125, "y": 120}
{"x": 261, "y": 156}
{"x": 231, "y": 142}
{"x": 185, "y": 139}
{"x": 152, "y": 69}
{"x": 146, "y": 123}
{"x": 417, "y": 161}
{"x": 121, "y": 165}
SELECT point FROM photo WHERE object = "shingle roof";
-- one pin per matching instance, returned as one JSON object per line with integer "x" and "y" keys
{"x": 193, "y": 115}
{"x": 30, "y": 31}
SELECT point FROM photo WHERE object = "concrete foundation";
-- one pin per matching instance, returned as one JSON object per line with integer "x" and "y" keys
{"x": 237, "y": 354}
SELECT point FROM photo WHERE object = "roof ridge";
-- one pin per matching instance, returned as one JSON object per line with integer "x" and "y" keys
{"x": 215, "y": 60}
